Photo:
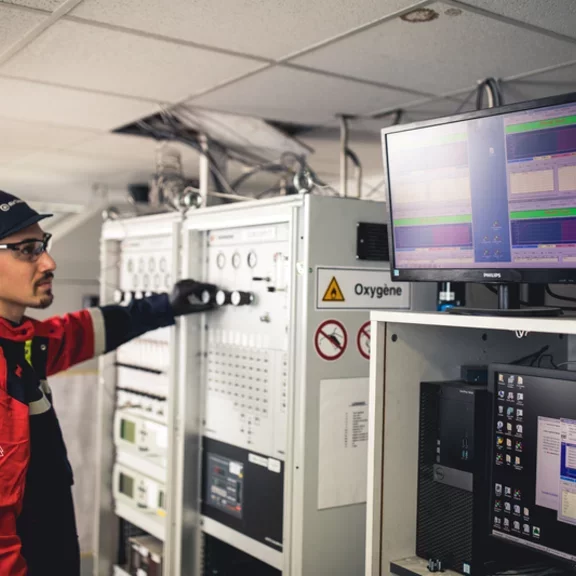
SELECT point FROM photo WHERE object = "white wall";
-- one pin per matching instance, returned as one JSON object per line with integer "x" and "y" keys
{"x": 75, "y": 392}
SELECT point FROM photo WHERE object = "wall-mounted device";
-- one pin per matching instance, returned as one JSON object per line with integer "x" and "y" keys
{"x": 140, "y": 491}
{"x": 286, "y": 348}
{"x": 146, "y": 437}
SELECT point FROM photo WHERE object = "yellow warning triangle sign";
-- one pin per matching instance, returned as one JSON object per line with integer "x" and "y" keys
{"x": 333, "y": 292}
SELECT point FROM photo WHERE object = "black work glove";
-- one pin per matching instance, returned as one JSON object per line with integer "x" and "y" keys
{"x": 190, "y": 297}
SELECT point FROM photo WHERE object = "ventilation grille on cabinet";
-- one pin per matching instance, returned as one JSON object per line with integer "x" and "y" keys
{"x": 372, "y": 242}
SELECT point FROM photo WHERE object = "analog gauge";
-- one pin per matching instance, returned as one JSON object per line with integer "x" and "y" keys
{"x": 135, "y": 280}
{"x": 236, "y": 260}
{"x": 162, "y": 265}
{"x": 221, "y": 260}
{"x": 130, "y": 265}
{"x": 252, "y": 259}
{"x": 141, "y": 265}
{"x": 146, "y": 281}
{"x": 151, "y": 265}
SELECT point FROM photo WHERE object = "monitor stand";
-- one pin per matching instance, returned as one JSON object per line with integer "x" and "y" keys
{"x": 509, "y": 305}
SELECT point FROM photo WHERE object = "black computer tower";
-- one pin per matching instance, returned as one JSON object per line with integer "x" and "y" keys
{"x": 453, "y": 494}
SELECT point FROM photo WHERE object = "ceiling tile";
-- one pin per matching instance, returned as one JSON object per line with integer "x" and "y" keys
{"x": 83, "y": 56}
{"x": 83, "y": 167}
{"x": 440, "y": 56}
{"x": 551, "y": 83}
{"x": 134, "y": 152}
{"x": 38, "y": 135}
{"x": 9, "y": 154}
{"x": 290, "y": 95}
{"x": 48, "y": 5}
{"x": 417, "y": 112}
{"x": 15, "y": 23}
{"x": 33, "y": 102}
{"x": 556, "y": 15}
{"x": 268, "y": 29}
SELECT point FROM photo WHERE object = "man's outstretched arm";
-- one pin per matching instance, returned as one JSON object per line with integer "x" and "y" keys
{"x": 88, "y": 333}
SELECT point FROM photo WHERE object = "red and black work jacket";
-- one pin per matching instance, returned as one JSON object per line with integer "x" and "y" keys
{"x": 32, "y": 450}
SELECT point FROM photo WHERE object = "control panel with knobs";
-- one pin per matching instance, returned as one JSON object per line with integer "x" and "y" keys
{"x": 247, "y": 337}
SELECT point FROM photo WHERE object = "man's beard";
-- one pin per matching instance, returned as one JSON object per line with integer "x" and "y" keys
{"x": 45, "y": 302}
{"x": 47, "y": 299}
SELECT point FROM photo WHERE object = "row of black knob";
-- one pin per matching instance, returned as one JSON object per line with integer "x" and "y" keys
{"x": 221, "y": 297}
{"x": 224, "y": 298}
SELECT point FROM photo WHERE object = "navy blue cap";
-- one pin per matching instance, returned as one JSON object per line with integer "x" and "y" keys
{"x": 16, "y": 215}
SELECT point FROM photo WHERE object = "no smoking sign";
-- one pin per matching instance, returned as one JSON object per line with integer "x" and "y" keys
{"x": 331, "y": 340}
{"x": 363, "y": 340}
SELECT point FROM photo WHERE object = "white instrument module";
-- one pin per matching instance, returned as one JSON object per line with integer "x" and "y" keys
{"x": 246, "y": 397}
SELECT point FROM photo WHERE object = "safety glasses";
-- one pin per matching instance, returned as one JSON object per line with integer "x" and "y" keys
{"x": 28, "y": 250}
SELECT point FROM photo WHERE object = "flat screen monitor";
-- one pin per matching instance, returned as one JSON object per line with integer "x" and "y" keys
{"x": 533, "y": 463}
{"x": 485, "y": 197}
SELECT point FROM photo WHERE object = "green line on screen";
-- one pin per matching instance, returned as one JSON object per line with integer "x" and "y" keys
{"x": 431, "y": 220}
{"x": 541, "y": 124}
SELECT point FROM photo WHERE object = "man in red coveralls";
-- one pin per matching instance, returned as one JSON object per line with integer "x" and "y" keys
{"x": 37, "y": 525}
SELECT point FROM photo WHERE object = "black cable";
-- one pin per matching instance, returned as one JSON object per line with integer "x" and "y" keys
{"x": 551, "y": 360}
{"x": 492, "y": 85}
{"x": 558, "y": 296}
{"x": 272, "y": 167}
{"x": 522, "y": 303}
{"x": 163, "y": 135}
{"x": 535, "y": 355}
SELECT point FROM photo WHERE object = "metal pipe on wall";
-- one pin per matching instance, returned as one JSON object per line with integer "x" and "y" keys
{"x": 343, "y": 156}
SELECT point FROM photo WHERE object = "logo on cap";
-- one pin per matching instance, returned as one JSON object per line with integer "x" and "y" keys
{"x": 5, "y": 207}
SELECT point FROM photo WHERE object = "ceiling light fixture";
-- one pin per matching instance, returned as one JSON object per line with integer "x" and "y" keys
{"x": 453, "y": 12}
{"x": 420, "y": 15}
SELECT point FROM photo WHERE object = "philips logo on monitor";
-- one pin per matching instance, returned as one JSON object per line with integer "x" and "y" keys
{"x": 492, "y": 275}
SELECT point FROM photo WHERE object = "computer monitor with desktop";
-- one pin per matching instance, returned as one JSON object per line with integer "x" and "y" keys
{"x": 487, "y": 197}
{"x": 533, "y": 463}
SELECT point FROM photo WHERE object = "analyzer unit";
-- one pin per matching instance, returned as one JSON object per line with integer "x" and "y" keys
{"x": 139, "y": 256}
{"x": 241, "y": 435}
{"x": 273, "y": 384}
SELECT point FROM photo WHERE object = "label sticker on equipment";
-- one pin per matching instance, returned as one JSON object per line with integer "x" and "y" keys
{"x": 359, "y": 289}
{"x": 331, "y": 340}
{"x": 274, "y": 465}
{"x": 260, "y": 460}
{"x": 333, "y": 292}
{"x": 363, "y": 340}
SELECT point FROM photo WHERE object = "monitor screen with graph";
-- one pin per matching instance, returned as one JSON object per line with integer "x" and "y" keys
{"x": 485, "y": 197}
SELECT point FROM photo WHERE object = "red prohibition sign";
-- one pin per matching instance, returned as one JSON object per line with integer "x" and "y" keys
{"x": 363, "y": 340}
{"x": 331, "y": 340}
